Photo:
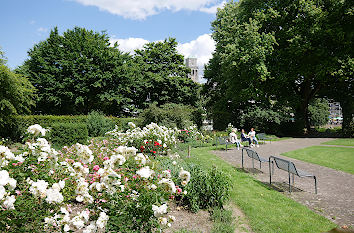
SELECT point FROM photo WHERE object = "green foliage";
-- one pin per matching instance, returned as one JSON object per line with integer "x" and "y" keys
{"x": 98, "y": 124}
{"x": 266, "y": 210}
{"x": 223, "y": 220}
{"x": 164, "y": 76}
{"x": 79, "y": 71}
{"x": 170, "y": 115}
{"x": 279, "y": 54}
{"x": 61, "y": 134}
{"x": 319, "y": 112}
{"x": 264, "y": 120}
{"x": 47, "y": 121}
{"x": 16, "y": 97}
{"x": 207, "y": 188}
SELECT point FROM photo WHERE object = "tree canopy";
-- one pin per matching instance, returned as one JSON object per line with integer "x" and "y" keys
{"x": 16, "y": 97}
{"x": 164, "y": 75}
{"x": 278, "y": 54}
{"x": 80, "y": 71}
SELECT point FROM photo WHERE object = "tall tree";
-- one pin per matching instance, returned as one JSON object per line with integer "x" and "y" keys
{"x": 79, "y": 71}
{"x": 165, "y": 77}
{"x": 279, "y": 53}
{"x": 16, "y": 97}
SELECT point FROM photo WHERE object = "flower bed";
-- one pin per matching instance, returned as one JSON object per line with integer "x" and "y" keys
{"x": 115, "y": 184}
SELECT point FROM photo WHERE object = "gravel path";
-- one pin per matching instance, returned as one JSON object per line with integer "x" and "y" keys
{"x": 335, "y": 198}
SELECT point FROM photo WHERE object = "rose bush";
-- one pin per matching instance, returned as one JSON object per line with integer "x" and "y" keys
{"x": 115, "y": 184}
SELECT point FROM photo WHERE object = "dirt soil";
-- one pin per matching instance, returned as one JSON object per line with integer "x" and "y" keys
{"x": 335, "y": 198}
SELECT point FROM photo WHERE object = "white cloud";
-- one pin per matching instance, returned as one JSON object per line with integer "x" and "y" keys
{"x": 200, "y": 48}
{"x": 130, "y": 44}
{"x": 41, "y": 29}
{"x": 140, "y": 9}
{"x": 212, "y": 9}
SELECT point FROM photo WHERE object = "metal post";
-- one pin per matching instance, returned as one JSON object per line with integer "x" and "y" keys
{"x": 289, "y": 178}
{"x": 315, "y": 184}
{"x": 270, "y": 172}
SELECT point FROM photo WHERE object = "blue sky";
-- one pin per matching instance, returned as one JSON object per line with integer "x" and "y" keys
{"x": 132, "y": 23}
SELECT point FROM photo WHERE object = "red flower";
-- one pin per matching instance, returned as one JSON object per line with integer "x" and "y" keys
{"x": 154, "y": 152}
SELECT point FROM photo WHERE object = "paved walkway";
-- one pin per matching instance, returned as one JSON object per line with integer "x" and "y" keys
{"x": 335, "y": 198}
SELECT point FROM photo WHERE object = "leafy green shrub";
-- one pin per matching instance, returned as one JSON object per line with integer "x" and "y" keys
{"x": 318, "y": 111}
{"x": 264, "y": 120}
{"x": 170, "y": 115}
{"x": 207, "y": 189}
{"x": 98, "y": 124}
{"x": 122, "y": 123}
{"x": 68, "y": 133}
{"x": 16, "y": 97}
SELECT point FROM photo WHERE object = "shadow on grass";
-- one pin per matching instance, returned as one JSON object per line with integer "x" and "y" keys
{"x": 249, "y": 170}
{"x": 280, "y": 186}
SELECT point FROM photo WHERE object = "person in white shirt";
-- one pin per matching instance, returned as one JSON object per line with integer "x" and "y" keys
{"x": 233, "y": 138}
{"x": 252, "y": 135}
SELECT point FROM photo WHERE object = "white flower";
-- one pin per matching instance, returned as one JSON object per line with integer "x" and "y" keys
{"x": 152, "y": 187}
{"x": 66, "y": 228}
{"x": 12, "y": 184}
{"x": 102, "y": 220}
{"x": 90, "y": 228}
{"x": 54, "y": 196}
{"x": 171, "y": 218}
{"x": 174, "y": 163}
{"x": 166, "y": 174}
{"x": 159, "y": 210}
{"x": 39, "y": 188}
{"x": 117, "y": 160}
{"x": 6, "y": 153}
{"x": 4, "y": 177}
{"x": 2, "y": 192}
{"x": 145, "y": 172}
{"x": 163, "y": 221}
{"x": 9, "y": 202}
{"x": 169, "y": 184}
{"x": 84, "y": 153}
{"x": 131, "y": 125}
{"x": 36, "y": 130}
{"x": 140, "y": 159}
{"x": 185, "y": 176}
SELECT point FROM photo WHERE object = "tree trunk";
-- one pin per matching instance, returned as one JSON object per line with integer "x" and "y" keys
{"x": 348, "y": 112}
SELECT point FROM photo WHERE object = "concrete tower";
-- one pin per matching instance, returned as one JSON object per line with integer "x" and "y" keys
{"x": 192, "y": 64}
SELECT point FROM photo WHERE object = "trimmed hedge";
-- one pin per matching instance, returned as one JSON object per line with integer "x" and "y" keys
{"x": 47, "y": 121}
{"x": 61, "y": 134}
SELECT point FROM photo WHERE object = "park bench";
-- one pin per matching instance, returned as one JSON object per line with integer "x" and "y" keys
{"x": 290, "y": 167}
{"x": 223, "y": 141}
{"x": 263, "y": 137}
{"x": 254, "y": 155}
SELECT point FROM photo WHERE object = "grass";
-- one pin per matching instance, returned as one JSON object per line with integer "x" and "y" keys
{"x": 223, "y": 221}
{"x": 338, "y": 158}
{"x": 341, "y": 142}
{"x": 266, "y": 209}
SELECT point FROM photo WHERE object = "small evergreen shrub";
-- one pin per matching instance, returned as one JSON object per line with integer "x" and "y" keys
{"x": 61, "y": 134}
{"x": 98, "y": 124}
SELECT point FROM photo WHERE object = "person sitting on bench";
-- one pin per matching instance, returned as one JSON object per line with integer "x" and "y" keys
{"x": 245, "y": 137}
{"x": 233, "y": 138}
{"x": 252, "y": 135}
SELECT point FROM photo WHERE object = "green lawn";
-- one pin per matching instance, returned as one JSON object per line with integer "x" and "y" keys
{"x": 267, "y": 210}
{"x": 341, "y": 142}
{"x": 339, "y": 158}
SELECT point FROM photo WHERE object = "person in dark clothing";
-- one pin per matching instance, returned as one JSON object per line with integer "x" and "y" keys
{"x": 245, "y": 138}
